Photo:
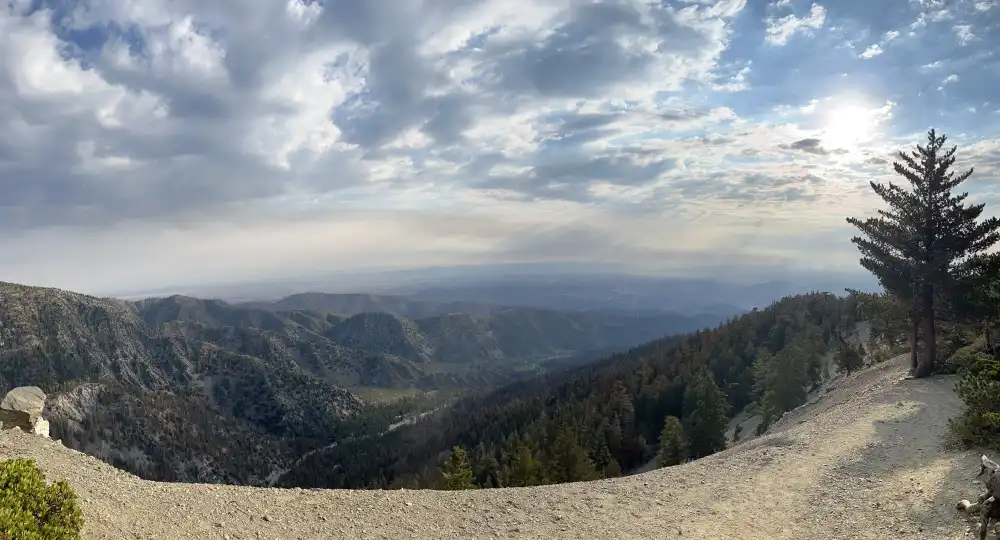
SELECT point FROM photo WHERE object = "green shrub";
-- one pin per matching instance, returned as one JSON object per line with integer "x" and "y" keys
{"x": 964, "y": 357}
{"x": 849, "y": 358}
{"x": 32, "y": 510}
{"x": 979, "y": 387}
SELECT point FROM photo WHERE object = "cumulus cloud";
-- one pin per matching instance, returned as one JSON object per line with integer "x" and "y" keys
{"x": 780, "y": 29}
{"x": 183, "y": 141}
{"x": 872, "y": 51}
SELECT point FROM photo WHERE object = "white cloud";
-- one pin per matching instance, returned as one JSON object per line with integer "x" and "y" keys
{"x": 737, "y": 83}
{"x": 780, "y": 29}
{"x": 948, "y": 80}
{"x": 964, "y": 33}
{"x": 194, "y": 141}
{"x": 872, "y": 51}
{"x": 876, "y": 49}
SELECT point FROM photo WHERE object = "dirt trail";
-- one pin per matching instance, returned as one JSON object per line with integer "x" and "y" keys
{"x": 865, "y": 462}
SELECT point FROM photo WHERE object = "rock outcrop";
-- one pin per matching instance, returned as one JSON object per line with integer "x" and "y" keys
{"x": 22, "y": 408}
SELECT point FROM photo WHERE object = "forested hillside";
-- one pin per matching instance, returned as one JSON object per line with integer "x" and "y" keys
{"x": 188, "y": 389}
{"x": 604, "y": 419}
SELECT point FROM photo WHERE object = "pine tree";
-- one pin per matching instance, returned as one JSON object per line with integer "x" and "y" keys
{"x": 524, "y": 470}
{"x": 606, "y": 463}
{"x": 613, "y": 470}
{"x": 602, "y": 457}
{"x": 918, "y": 246}
{"x": 779, "y": 383}
{"x": 456, "y": 472}
{"x": 888, "y": 319}
{"x": 706, "y": 414}
{"x": 568, "y": 460}
{"x": 673, "y": 445}
{"x": 977, "y": 300}
{"x": 848, "y": 358}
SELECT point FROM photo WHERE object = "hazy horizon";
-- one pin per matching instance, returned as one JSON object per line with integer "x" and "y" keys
{"x": 154, "y": 144}
{"x": 419, "y": 281}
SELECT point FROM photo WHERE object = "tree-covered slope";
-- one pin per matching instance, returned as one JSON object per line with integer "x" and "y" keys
{"x": 605, "y": 418}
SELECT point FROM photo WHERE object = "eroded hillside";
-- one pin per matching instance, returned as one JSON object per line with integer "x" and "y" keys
{"x": 189, "y": 389}
{"x": 867, "y": 461}
{"x": 163, "y": 403}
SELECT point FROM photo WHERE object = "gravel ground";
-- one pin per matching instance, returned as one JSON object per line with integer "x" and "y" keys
{"x": 866, "y": 461}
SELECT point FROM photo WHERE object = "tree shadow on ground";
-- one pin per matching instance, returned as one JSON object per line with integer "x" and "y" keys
{"x": 910, "y": 475}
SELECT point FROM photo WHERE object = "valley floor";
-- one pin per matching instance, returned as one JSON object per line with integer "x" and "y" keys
{"x": 866, "y": 461}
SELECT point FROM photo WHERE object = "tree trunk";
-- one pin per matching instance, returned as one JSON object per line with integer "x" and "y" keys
{"x": 914, "y": 326}
{"x": 925, "y": 367}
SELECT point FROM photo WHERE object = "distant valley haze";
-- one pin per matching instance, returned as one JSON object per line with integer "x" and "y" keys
{"x": 561, "y": 287}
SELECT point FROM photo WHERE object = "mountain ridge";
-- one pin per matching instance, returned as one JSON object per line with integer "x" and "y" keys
{"x": 163, "y": 371}
{"x": 158, "y": 385}
{"x": 452, "y": 341}
{"x": 354, "y": 303}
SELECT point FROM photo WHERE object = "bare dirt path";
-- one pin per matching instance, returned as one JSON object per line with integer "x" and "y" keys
{"x": 865, "y": 462}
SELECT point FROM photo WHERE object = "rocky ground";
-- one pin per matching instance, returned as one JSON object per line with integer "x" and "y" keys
{"x": 867, "y": 461}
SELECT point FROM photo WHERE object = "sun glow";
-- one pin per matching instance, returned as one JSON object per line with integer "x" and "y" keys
{"x": 848, "y": 123}
{"x": 848, "y": 126}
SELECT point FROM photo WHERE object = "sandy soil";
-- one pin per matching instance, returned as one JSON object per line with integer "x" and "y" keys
{"x": 867, "y": 461}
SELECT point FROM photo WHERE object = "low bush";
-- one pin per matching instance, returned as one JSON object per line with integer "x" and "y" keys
{"x": 32, "y": 510}
{"x": 979, "y": 387}
{"x": 964, "y": 357}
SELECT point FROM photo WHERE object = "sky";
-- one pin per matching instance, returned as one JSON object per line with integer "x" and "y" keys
{"x": 151, "y": 143}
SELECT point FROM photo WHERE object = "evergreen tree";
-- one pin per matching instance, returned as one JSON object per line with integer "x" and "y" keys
{"x": 780, "y": 383}
{"x": 815, "y": 370}
{"x": 791, "y": 378}
{"x": 918, "y": 246}
{"x": 673, "y": 445}
{"x": 888, "y": 320}
{"x": 456, "y": 472}
{"x": 569, "y": 461}
{"x": 848, "y": 358}
{"x": 613, "y": 470}
{"x": 606, "y": 463}
{"x": 525, "y": 470}
{"x": 977, "y": 300}
{"x": 706, "y": 413}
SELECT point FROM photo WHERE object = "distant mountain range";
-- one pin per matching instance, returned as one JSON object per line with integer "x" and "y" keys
{"x": 627, "y": 294}
{"x": 179, "y": 388}
{"x": 377, "y": 340}
{"x": 353, "y": 304}
{"x": 722, "y": 291}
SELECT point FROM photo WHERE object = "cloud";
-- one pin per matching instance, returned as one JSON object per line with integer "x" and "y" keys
{"x": 964, "y": 33}
{"x": 150, "y": 142}
{"x": 781, "y": 29}
{"x": 812, "y": 146}
{"x": 737, "y": 83}
{"x": 872, "y": 51}
{"x": 950, "y": 79}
